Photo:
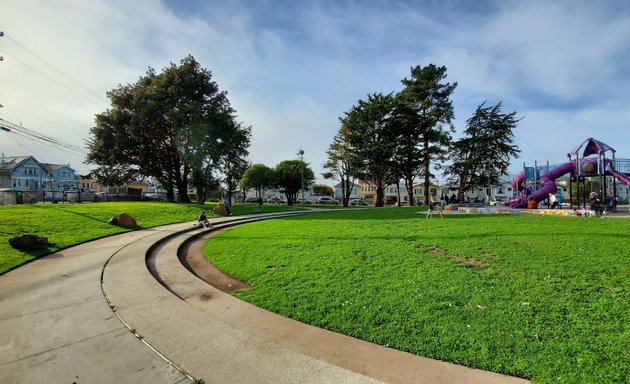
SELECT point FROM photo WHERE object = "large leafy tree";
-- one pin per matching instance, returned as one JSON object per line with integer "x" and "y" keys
{"x": 482, "y": 155}
{"x": 340, "y": 163}
{"x": 371, "y": 138}
{"x": 427, "y": 122}
{"x": 258, "y": 177}
{"x": 289, "y": 174}
{"x": 170, "y": 125}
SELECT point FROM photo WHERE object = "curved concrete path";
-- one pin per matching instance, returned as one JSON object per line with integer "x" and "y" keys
{"x": 104, "y": 312}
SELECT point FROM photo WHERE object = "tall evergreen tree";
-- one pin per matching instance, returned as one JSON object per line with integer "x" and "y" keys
{"x": 340, "y": 164}
{"x": 429, "y": 127}
{"x": 372, "y": 139}
{"x": 482, "y": 155}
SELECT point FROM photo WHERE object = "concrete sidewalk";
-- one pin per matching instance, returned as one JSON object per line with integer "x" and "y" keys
{"x": 57, "y": 326}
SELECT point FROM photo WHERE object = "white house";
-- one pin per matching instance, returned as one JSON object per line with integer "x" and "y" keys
{"x": 354, "y": 192}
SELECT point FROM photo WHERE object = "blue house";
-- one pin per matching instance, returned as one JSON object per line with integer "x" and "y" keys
{"x": 25, "y": 173}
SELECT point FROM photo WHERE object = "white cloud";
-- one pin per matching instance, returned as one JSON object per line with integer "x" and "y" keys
{"x": 292, "y": 69}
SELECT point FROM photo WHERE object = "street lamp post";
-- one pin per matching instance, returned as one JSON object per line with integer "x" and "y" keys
{"x": 301, "y": 155}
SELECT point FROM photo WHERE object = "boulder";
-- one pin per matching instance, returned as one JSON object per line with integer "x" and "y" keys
{"x": 28, "y": 241}
{"x": 126, "y": 220}
{"x": 220, "y": 210}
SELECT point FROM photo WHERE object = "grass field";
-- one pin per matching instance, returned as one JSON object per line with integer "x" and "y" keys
{"x": 69, "y": 224}
{"x": 545, "y": 298}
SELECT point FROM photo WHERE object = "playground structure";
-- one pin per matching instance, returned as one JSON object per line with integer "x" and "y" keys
{"x": 579, "y": 168}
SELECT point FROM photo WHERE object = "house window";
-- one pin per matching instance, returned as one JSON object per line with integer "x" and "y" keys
{"x": 28, "y": 170}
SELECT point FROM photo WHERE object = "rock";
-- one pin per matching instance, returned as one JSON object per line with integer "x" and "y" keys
{"x": 113, "y": 221}
{"x": 28, "y": 241}
{"x": 220, "y": 210}
{"x": 126, "y": 220}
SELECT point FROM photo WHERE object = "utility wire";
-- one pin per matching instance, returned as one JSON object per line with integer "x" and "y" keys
{"x": 30, "y": 134}
{"x": 59, "y": 71}
{"x": 56, "y": 81}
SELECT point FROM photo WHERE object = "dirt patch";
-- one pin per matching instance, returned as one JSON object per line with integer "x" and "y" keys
{"x": 191, "y": 256}
{"x": 489, "y": 255}
{"x": 458, "y": 259}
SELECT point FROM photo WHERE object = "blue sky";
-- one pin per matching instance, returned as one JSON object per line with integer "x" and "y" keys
{"x": 291, "y": 68}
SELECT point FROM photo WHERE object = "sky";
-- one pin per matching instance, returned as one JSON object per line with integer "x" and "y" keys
{"x": 292, "y": 68}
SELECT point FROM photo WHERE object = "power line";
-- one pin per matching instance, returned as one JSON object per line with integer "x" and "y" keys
{"x": 59, "y": 71}
{"x": 32, "y": 135}
{"x": 54, "y": 80}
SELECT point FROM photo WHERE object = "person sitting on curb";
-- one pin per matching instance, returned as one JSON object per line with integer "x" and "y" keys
{"x": 203, "y": 220}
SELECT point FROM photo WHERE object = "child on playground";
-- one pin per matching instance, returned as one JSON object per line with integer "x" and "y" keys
{"x": 435, "y": 207}
{"x": 531, "y": 203}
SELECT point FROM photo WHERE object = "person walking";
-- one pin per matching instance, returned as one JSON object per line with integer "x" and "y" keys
{"x": 553, "y": 201}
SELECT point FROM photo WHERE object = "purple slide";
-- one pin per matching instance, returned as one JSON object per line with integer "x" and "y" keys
{"x": 547, "y": 184}
{"x": 620, "y": 176}
{"x": 518, "y": 181}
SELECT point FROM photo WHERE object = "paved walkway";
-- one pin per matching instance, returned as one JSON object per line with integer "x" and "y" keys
{"x": 105, "y": 312}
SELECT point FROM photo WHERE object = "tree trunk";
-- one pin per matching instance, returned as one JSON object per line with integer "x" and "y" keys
{"x": 409, "y": 186}
{"x": 379, "y": 195}
{"x": 427, "y": 173}
{"x": 398, "y": 193}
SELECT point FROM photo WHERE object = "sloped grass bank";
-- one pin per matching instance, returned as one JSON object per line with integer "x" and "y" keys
{"x": 544, "y": 298}
{"x": 66, "y": 225}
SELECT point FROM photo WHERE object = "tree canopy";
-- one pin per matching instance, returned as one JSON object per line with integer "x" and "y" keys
{"x": 371, "y": 140}
{"x": 341, "y": 165}
{"x": 258, "y": 177}
{"x": 426, "y": 121}
{"x": 175, "y": 126}
{"x": 289, "y": 177}
{"x": 482, "y": 155}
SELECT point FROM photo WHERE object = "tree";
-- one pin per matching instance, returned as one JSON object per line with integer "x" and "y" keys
{"x": 232, "y": 161}
{"x": 482, "y": 156}
{"x": 234, "y": 171}
{"x": 322, "y": 190}
{"x": 341, "y": 165}
{"x": 289, "y": 175}
{"x": 371, "y": 141}
{"x": 427, "y": 121}
{"x": 259, "y": 177}
{"x": 169, "y": 126}
{"x": 408, "y": 157}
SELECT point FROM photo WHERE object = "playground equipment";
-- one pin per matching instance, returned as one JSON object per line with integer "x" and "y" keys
{"x": 578, "y": 169}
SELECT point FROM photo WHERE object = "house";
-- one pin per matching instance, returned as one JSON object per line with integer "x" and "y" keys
{"x": 25, "y": 173}
{"x": 418, "y": 193}
{"x": 367, "y": 192}
{"x": 354, "y": 192}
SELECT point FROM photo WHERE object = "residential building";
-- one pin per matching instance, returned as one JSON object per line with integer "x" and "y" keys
{"x": 418, "y": 192}
{"x": 367, "y": 192}
{"x": 25, "y": 173}
{"x": 354, "y": 192}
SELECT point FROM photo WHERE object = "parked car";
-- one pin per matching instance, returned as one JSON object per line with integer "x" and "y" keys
{"x": 275, "y": 200}
{"x": 327, "y": 200}
{"x": 358, "y": 202}
{"x": 306, "y": 201}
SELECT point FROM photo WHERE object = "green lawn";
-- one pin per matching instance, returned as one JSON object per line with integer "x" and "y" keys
{"x": 545, "y": 298}
{"x": 70, "y": 224}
